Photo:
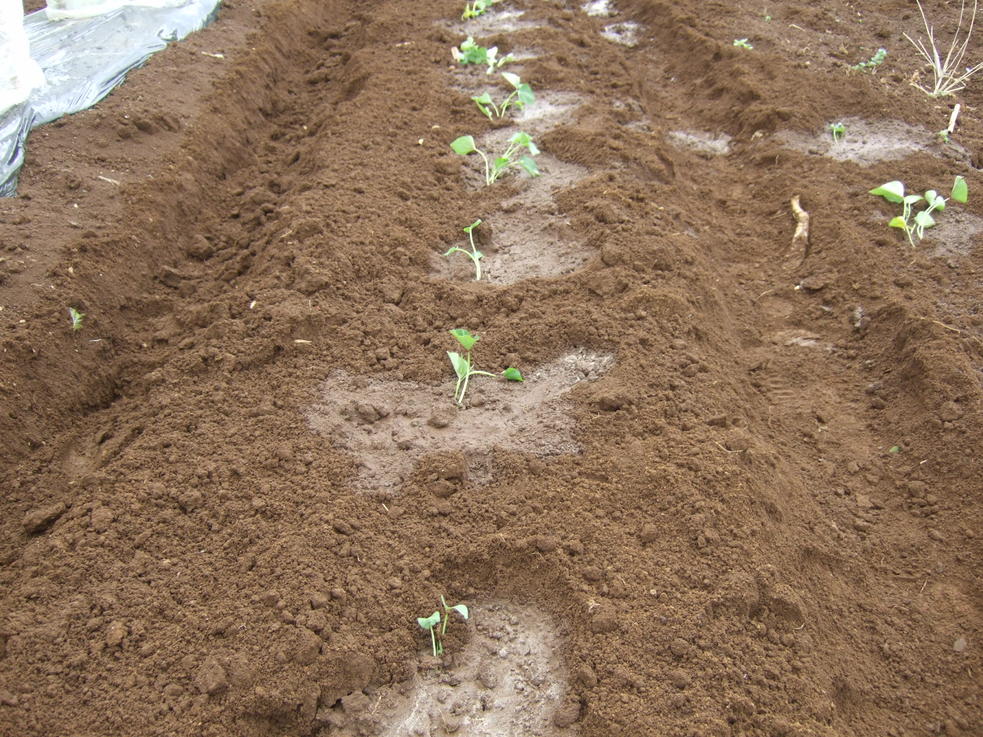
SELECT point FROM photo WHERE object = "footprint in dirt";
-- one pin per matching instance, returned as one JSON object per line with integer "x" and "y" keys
{"x": 509, "y": 680}
{"x": 389, "y": 425}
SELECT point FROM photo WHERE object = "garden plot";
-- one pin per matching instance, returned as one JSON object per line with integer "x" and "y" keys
{"x": 702, "y": 142}
{"x": 509, "y": 680}
{"x": 625, "y": 33}
{"x": 498, "y": 20}
{"x": 521, "y": 245}
{"x": 389, "y": 425}
{"x": 868, "y": 143}
{"x": 235, "y": 473}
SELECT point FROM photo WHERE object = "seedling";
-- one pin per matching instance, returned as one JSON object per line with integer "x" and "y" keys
{"x": 837, "y": 130}
{"x": 474, "y": 254}
{"x": 875, "y": 61}
{"x": 742, "y": 43}
{"x": 949, "y": 75}
{"x": 510, "y": 158}
{"x": 478, "y": 7}
{"x": 914, "y": 222}
{"x": 464, "y": 365}
{"x": 520, "y": 96}
{"x": 431, "y": 623}
{"x": 76, "y": 317}
{"x": 471, "y": 53}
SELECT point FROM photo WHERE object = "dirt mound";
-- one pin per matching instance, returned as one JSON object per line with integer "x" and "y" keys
{"x": 738, "y": 492}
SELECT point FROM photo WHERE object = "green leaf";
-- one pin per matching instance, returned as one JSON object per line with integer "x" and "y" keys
{"x": 484, "y": 102}
{"x": 911, "y": 199}
{"x": 924, "y": 220}
{"x": 521, "y": 138}
{"x": 460, "y": 364}
{"x": 930, "y": 195}
{"x": 465, "y": 338}
{"x": 529, "y": 164}
{"x": 464, "y": 145}
{"x": 501, "y": 163}
{"x": 512, "y": 374}
{"x": 526, "y": 96}
{"x": 473, "y": 225}
{"x": 461, "y": 609}
{"x": 890, "y": 191}
{"x": 512, "y": 78}
{"x": 960, "y": 190}
{"x": 428, "y": 623}
{"x": 894, "y": 449}
{"x": 898, "y": 222}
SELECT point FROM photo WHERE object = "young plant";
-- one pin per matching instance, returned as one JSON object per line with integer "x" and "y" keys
{"x": 837, "y": 130}
{"x": 510, "y": 158}
{"x": 76, "y": 317}
{"x": 476, "y": 8}
{"x": 914, "y": 222}
{"x": 875, "y": 61}
{"x": 464, "y": 365}
{"x": 431, "y": 623}
{"x": 742, "y": 43}
{"x": 520, "y": 96}
{"x": 474, "y": 254}
{"x": 471, "y": 53}
{"x": 949, "y": 75}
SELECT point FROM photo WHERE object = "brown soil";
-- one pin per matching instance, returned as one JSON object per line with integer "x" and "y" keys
{"x": 762, "y": 517}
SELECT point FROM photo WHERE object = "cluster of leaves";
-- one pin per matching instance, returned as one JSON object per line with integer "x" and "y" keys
{"x": 464, "y": 365}
{"x": 914, "y": 221}
{"x": 476, "y": 8}
{"x": 742, "y": 43}
{"x": 875, "y": 61}
{"x": 436, "y": 623}
{"x": 837, "y": 130}
{"x": 511, "y": 158}
{"x": 520, "y": 96}
{"x": 470, "y": 52}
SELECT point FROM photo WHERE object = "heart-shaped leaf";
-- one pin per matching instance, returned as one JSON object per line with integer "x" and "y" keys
{"x": 960, "y": 190}
{"x": 529, "y": 164}
{"x": 890, "y": 191}
{"x": 430, "y": 622}
{"x": 463, "y": 145}
{"x": 512, "y": 374}
{"x": 460, "y": 364}
{"x": 465, "y": 338}
{"x": 924, "y": 220}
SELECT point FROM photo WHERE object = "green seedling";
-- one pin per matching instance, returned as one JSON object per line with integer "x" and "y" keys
{"x": 914, "y": 222}
{"x": 478, "y": 7}
{"x": 464, "y": 365}
{"x": 742, "y": 43}
{"x": 837, "y": 130}
{"x": 875, "y": 61}
{"x": 76, "y": 317}
{"x": 520, "y": 96}
{"x": 474, "y": 254}
{"x": 471, "y": 53}
{"x": 431, "y": 623}
{"x": 510, "y": 158}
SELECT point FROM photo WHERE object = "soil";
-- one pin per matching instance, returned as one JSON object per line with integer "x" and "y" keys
{"x": 737, "y": 494}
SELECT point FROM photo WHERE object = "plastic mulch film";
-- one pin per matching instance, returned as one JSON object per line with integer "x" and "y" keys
{"x": 83, "y": 60}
